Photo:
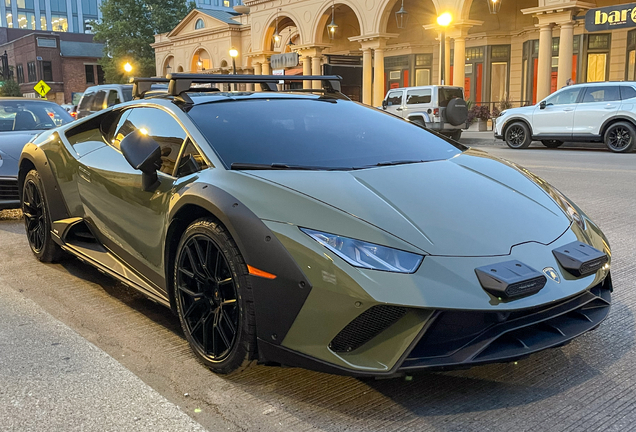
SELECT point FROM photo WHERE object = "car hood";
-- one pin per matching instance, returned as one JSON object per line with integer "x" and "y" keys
{"x": 12, "y": 143}
{"x": 470, "y": 205}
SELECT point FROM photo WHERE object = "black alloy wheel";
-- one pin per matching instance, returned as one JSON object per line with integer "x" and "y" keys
{"x": 620, "y": 137}
{"x": 36, "y": 219}
{"x": 552, "y": 143}
{"x": 517, "y": 136}
{"x": 213, "y": 298}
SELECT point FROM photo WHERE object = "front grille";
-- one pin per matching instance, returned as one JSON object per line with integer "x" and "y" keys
{"x": 9, "y": 189}
{"x": 365, "y": 327}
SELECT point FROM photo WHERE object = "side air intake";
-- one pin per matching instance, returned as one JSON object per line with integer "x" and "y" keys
{"x": 365, "y": 327}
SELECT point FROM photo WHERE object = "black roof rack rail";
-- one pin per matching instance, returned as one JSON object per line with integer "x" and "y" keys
{"x": 143, "y": 85}
{"x": 181, "y": 82}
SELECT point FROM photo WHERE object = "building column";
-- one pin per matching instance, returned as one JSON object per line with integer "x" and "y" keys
{"x": 266, "y": 68}
{"x": 459, "y": 62}
{"x": 378, "y": 76}
{"x": 3, "y": 14}
{"x": 306, "y": 70}
{"x": 566, "y": 42}
{"x": 544, "y": 67}
{"x": 367, "y": 75}
{"x": 258, "y": 70}
{"x": 447, "y": 61}
{"x": 315, "y": 69}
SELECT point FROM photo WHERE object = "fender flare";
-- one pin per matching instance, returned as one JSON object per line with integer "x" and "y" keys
{"x": 513, "y": 120}
{"x": 611, "y": 120}
{"x": 278, "y": 301}
{"x": 52, "y": 194}
{"x": 424, "y": 115}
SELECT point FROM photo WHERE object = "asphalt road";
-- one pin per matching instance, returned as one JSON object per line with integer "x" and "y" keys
{"x": 586, "y": 385}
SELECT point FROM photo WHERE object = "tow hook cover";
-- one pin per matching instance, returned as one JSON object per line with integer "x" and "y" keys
{"x": 580, "y": 259}
{"x": 510, "y": 279}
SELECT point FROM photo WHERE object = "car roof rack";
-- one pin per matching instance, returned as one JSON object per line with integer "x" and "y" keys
{"x": 180, "y": 83}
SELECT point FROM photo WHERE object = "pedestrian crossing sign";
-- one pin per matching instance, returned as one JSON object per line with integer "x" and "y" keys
{"x": 42, "y": 88}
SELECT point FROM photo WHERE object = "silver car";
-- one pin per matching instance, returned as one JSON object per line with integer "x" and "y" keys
{"x": 20, "y": 120}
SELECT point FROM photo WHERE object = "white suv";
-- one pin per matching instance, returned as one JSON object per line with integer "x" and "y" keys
{"x": 439, "y": 108}
{"x": 590, "y": 112}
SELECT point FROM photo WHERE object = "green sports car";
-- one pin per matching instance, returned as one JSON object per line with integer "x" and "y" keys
{"x": 304, "y": 229}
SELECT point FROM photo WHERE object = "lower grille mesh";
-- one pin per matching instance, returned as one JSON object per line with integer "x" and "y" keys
{"x": 365, "y": 327}
{"x": 9, "y": 190}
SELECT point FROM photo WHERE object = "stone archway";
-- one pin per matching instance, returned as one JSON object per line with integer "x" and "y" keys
{"x": 168, "y": 65}
{"x": 285, "y": 24}
{"x": 200, "y": 60}
{"x": 349, "y": 22}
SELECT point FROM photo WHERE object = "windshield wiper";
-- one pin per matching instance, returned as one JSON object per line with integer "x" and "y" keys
{"x": 275, "y": 166}
{"x": 390, "y": 163}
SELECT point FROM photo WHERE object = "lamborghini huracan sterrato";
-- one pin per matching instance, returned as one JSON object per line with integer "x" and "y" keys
{"x": 304, "y": 229}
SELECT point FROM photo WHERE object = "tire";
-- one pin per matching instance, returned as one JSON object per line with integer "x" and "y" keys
{"x": 552, "y": 143}
{"x": 456, "y": 135}
{"x": 418, "y": 121}
{"x": 620, "y": 137}
{"x": 37, "y": 220}
{"x": 456, "y": 111}
{"x": 214, "y": 300}
{"x": 518, "y": 136}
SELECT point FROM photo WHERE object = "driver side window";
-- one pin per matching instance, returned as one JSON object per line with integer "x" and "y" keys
{"x": 159, "y": 125}
{"x": 567, "y": 96}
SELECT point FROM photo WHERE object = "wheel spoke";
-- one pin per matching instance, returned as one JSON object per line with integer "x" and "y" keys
{"x": 228, "y": 302}
{"x": 189, "y": 292}
{"x": 202, "y": 259}
{"x": 192, "y": 307}
{"x": 194, "y": 263}
{"x": 224, "y": 281}
{"x": 223, "y": 317}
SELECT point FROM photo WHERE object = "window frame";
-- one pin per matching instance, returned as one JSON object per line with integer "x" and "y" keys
{"x": 591, "y": 89}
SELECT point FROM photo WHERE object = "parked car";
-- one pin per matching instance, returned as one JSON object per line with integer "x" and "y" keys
{"x": 308, "y": 238}
{"x": 100, "y": 97}
{"x": 589, "y": 112}
{"x": 71, "y": 109}
{"x": 438, "y": 108}
{"x": 20, "y": 120}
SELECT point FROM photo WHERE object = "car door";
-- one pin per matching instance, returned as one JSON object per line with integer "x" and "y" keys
{"x": 597, "y": 105}
{"x": 113, "y": 98}
{"x": 394, "y": 102}
{"x": 557, "y": 118}
{"x": 132, "y": 222}
{"x": 417, "y": 100}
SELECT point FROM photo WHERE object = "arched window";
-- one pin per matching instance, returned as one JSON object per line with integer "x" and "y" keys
{"x": 224, "y": 63}
{"x": 199, "y": 24}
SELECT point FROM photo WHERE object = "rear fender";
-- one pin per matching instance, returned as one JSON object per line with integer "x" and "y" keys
{"x": 419, "y": 115}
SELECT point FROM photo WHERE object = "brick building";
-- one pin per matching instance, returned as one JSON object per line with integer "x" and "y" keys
{"x": 67, "y": 62}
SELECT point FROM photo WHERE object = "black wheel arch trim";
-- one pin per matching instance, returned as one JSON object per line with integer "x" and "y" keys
{"x": 509, "y": 122}
{"x": 52, "y": 193}
{"x": 278, "y": 301}
{"x": 607, "y": 123}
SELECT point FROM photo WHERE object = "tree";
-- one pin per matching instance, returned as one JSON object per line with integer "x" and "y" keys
{"x": 10, "y": 88}
{"x": 127, "y": 29}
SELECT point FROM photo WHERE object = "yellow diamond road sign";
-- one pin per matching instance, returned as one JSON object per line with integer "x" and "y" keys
{"x": 42, "y": 88}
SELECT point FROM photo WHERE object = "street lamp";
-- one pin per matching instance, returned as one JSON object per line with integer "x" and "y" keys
{"x": 402, "y": 17}
{"x": 443, "y": 21}
{"x": 333, "y": 26}
{"x": 494, "y": 6}
{"x": 234, "y": 55}
{"x": 128, "y": 67}
{"x": 276, "y": 36}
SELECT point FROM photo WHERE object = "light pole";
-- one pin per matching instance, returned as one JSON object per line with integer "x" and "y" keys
{"x": 234, "y": 54}
{"x": 443, "y": 20}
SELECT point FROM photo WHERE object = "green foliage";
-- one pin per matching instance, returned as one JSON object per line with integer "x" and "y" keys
{"x": 10, "y": 88}
{"x": 127, "y": 29}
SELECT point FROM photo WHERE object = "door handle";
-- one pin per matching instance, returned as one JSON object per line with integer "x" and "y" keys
{"x": 610, "y": 106}
{"x": 399, "y": 109}
{"x": 568, "y": 109}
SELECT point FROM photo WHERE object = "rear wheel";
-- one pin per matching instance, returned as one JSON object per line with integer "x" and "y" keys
{"x": 214, "y": 298}
{"x": 552, "y": 143}
{"x": 620, "y": 137}
{"x": 37, "y": 220}
{"x": 456, "y": 135}
{"x": 517, "y": 136}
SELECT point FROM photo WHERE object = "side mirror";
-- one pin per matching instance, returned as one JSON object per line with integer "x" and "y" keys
{"x": 144, "y": 154}
{"x": 542, "y": 105}
{"x": 384, "y": 104}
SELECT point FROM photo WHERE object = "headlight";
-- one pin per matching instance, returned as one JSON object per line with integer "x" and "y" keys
{"x": 367, "y": 255}
{"x": 502, "y": 113}
{"x": 569, "y": 209}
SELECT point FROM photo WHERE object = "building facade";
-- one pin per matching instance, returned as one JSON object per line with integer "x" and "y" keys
{"x": 67, "y": 62}
{"x": 73, "y": 16}
{"x": 520, "y": 54}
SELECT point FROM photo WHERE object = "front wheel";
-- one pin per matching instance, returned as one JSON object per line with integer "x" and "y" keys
{"x": 37, "y": 220}
{"x": 552, "y": 143}
{"x": 620, "y": 137}
{"x": 518, "y": 136}
{"x": 214, "y": 298}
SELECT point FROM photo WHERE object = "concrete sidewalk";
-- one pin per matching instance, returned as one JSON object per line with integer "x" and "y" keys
{"x": 52, "y": 379}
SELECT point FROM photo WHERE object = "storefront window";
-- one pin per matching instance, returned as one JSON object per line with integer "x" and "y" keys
{"x": 59, "y": 23}
{"x": 422, "y": 77}
{"x": 498, "y": 81}
{"x": 598, "y": 52}
{"x": 631, "y": 56}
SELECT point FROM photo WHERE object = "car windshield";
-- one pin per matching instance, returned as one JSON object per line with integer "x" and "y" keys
{"x": 314, "y": 133}
{"x": 18, "y": 115}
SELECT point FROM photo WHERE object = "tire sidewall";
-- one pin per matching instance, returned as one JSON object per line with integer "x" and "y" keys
{"x": 632, "y": 133}
{"x": 526, "y": 130}
{"x": 48, "y": 253}
{"x": 240, "y": 350}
